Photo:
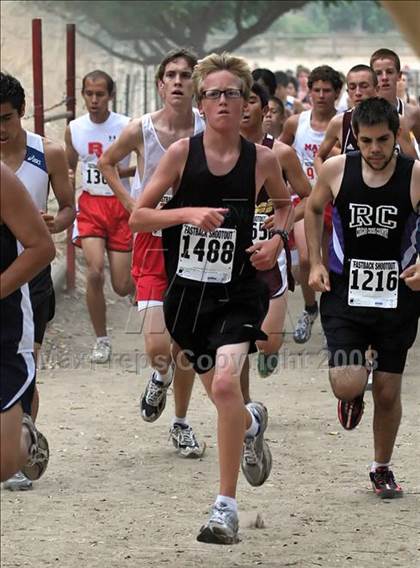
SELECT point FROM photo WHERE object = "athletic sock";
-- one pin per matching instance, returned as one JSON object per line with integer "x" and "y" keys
{"x": 104, "y": 338}
{"x": 254, "y": 429}
{"x": 375, "y": 466}
{"x": 312, "y": 309}
{"x": 165, "y": 378}
{"x": 178, "y": 420}
{"x": 229, "y": 501}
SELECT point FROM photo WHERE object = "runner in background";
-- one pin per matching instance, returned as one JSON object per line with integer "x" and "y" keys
{"x": 101, "y": 225}
{"x": 305, "y": 132}
{"x": 150, "y": 137}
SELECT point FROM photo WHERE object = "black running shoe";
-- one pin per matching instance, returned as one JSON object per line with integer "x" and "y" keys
{"x": 350, "y": 412}
{"x": 384, "y": 484}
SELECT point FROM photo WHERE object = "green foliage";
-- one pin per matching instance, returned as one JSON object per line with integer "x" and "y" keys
{"x": 145, "y": 30}
{"x": 335, "y": 16}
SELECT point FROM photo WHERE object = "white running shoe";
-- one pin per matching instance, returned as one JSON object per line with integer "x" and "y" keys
{"x": 18, "y": 482}
{"x": 101, "y": 352}
{"x": 256, "y": 455}
{"x": 222, "y": 526}
{"x": 185, "y": 442}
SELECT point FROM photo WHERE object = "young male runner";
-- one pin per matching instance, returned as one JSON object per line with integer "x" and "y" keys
{"x": 274, "y": 117}
{"x": 150, "y": 137}
{"x": 376, "y": 194}
{"x": 26, "y": 248}
{"x": 387, "y": 66}
{"x": 215, "y": 304}
{"x": 102, "y": 222}
{"x": 305, "y": 132}
{"x": 276, "y": 278}
{"x": 362, "y": 83}
{"x": 39, "y": 163}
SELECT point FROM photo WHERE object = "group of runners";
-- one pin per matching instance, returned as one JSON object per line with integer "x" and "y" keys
{"x": 200, "y": 231}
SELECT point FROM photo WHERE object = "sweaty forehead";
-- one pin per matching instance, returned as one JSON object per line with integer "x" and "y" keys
{"x": 322, "y": 85}
{"x": 179, "y": 64}
{"x": 360, "y": 77}
{"x": 384, "y": 64}
{"x": 99, "y": 84}
{"x": 222, "y": 79}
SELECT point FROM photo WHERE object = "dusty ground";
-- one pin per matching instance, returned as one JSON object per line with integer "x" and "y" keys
{"x": 116, "y": 495}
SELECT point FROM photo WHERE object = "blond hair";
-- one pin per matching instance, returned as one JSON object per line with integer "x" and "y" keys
{"x": 224, "y": 62}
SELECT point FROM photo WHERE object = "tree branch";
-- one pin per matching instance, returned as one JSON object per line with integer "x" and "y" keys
{"x": 276, "y": 9}
{"x": 110, "y": 50}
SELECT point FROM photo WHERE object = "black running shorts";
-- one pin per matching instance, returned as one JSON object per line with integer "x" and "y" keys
{"x": 200, "y": 319}
{"x": 43, "y": 312}
{"x": 351, "y": 330}
{"x": 17, "y": 378}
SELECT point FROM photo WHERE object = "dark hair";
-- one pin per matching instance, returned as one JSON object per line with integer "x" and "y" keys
{"x": 182, "y": 53}
{"x": 293, "y": 80}
{"x": 361, "y": 67}
{"x": 11, "y": 91}
{"x": 385, "y": 53}
{"x": 261, "y": 92}
{"x": 267, "y": 77}
{"x": 282, "y": 78}
{"x": 278, "y": 102}
{"x": 98, "y": 74}
{"x": 373, "y": 111}
{"x": 325, "y": 73}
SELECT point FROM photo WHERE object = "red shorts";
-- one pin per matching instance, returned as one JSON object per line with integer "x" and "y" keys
{"x": 327, "y": 220}
{"x": 148, "y": 268}
{"x": 103, "y": 217}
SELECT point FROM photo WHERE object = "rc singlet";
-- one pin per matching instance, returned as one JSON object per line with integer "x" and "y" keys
{"x": 374, "y": 235}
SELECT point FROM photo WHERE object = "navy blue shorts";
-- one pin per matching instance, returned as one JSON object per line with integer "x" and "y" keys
{"x": 17, "y": 378}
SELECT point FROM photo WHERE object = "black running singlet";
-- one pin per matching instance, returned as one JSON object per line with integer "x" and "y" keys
{"x": 194, "y": 257}
{"x": 374, "y": 233}
{"x": 349, "y": 142}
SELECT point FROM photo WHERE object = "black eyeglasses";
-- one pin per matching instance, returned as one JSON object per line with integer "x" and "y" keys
{"x": 214, "y": 94}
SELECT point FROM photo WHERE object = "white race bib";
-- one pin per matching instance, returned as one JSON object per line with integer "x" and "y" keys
{"x": 259, "y": 231}
{"x": 373, "y": 283}
{"x": 93, "y": 181}
{"x": 206, "y": 257}
{"x": 167, "y": 197}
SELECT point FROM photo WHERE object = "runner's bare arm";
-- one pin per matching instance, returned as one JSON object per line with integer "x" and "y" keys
{"x": 145, "y": 217}
{"x": 129, "y": 141}
{"x": 414, "y": 112}
{"x": 289, "y": 130}
{"x": 269, "y": 174}
{"x": 71, "y": 155}
{"x": 411, "y": 275}
{"x": 58, "y": 171}
{"x": 293, "y": 170}
{"x": 19, "y": 213}
{"x": 332, "y": 138}
{"x": 405, "y": 141}
{"x": 321, "y": 194}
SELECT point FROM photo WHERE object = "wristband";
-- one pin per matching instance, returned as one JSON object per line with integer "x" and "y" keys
{"x": 283, "y": 234}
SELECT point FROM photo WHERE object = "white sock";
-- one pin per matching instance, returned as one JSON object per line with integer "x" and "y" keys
{"x": 255, "y": 426}
{"x": 375, "y": 465}
{"x": 178, "y": 420}
{"x": 165, "y": 378}
{"x": 229, "y": 501}
{"x": 104, "y": 338}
